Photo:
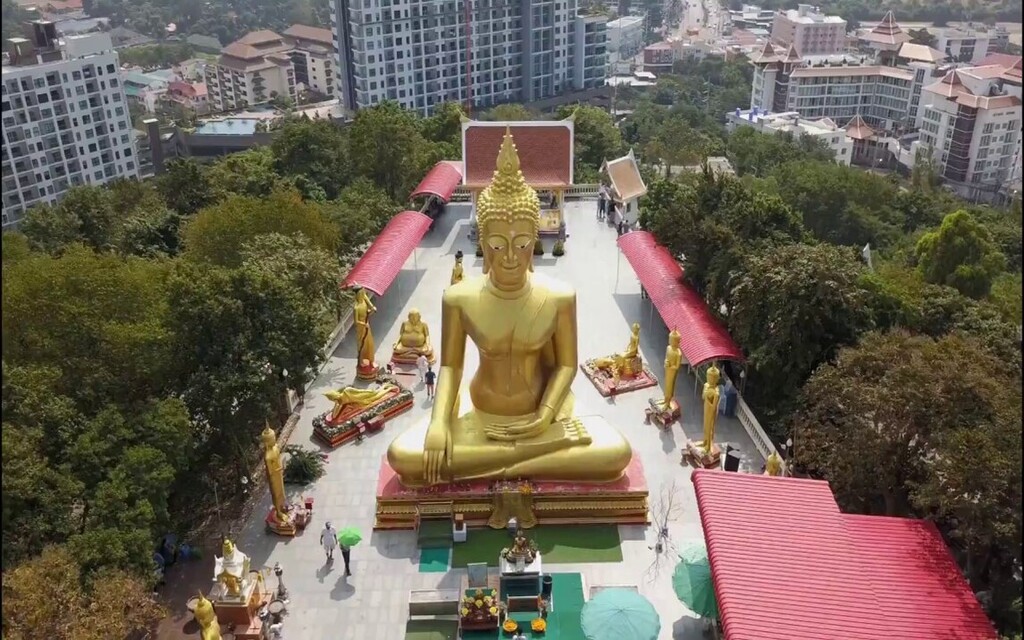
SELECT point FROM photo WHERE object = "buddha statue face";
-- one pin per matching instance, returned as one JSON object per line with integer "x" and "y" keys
{"x": 636, "y": 328}
{"x": 508, "y": 215}
{"x": 673, "y": 339}
{"x": 228, "y": 548}
{"x": 414, "y": 317}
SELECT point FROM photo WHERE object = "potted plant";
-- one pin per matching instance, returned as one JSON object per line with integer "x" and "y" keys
{"x": 558, "y": 249}
{"x": 538, "y": 248}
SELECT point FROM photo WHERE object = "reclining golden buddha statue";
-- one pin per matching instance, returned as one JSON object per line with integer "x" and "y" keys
{"x": 522, "y": 423}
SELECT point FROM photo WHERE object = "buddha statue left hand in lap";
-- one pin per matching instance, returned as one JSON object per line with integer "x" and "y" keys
{"x": 521, "y": 424}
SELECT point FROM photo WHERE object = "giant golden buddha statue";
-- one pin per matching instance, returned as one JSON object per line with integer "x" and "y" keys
{"x": 522, "y": 423}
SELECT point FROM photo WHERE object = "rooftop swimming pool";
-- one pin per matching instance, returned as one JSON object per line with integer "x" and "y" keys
{"x": 228, "y": 127}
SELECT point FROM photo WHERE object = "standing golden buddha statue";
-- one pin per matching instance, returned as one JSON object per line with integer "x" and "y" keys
{"x": 362, "y": 309}
{"x": 279, "y": 520}
{"x": 522, "y": 423}
{"x": 457, "y": 271}
{"x": 673, "y": 361}
{"x": 206, "y": 618}
{"x": 711, "y": 397}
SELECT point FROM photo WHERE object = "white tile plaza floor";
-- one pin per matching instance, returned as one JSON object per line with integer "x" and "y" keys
{"x": 372, "y": 604}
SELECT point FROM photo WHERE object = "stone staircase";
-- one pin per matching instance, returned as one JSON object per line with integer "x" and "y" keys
{"x": 434, "y": 525}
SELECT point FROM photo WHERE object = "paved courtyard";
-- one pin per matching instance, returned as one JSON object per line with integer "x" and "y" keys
{"x": 372, "y": 604}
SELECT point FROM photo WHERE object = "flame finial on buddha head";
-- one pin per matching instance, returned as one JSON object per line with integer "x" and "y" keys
{"x": 508, "y": 197}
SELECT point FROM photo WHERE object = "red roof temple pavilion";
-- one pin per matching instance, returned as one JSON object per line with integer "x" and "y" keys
{"x": 787, "y": 564}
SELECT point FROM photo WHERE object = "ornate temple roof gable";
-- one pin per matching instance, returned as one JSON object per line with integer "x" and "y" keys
{"x": 545, "y": 150}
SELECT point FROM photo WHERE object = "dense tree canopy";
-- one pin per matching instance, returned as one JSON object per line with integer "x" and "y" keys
{"x": 960, "y": 254}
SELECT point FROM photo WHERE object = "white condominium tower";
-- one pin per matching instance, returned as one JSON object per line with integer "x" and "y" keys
{"x": 421, "y": 53}
{"x": 65, "y": 118}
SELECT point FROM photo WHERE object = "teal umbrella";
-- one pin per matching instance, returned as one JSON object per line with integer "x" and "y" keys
{"x": 349, "y": 537}
{"x": 692, "y": 581}
{"x": 619, "y": 614}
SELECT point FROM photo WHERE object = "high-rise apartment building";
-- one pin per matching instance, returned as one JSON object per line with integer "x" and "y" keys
{"x": 252, "y": 70}
{"x": 809, "y": 30}
{"x": 65, "y": 118}
{"x": 425, "y": 52}
{"x": 971, "y": 127}
{"x": 313, "y": 58}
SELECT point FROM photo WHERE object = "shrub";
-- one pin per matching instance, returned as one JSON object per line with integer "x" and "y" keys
{"x": 304, "y": 465}
{"x": 538, "y": 248}
{"x": 558, "y": 249}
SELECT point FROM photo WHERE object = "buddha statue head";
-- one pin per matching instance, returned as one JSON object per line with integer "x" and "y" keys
{"x": 636, "y": 328}
{"x": 268, "y": 438}
{"x": 458, "y": 256}
{"x": 714, "y": 376}
{"x": 228, "y": 548}
{"x": 508, "y": 220}
{"x": 673, "y": 339}
{"x": 204, "y": 613}
{"x": 414, "y": 316}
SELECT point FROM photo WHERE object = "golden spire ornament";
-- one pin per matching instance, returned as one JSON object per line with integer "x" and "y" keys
{"x": 508, "y": 197}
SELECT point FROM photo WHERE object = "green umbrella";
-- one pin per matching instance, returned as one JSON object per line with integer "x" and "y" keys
{"x": 349, "y": 537}
{"x": 619, "y": 614}
{"x": 692, "y": 581}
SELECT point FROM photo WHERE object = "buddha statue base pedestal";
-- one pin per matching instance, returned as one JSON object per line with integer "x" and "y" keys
{"x": 335, "y": 431}
{"x": 367, "y": 370}
{"x": 661, "y": 415}
{"x": 298, "y": 519}
{"x": 241, "y": 613}
{"x": 623, "y": 501}
{"x": 603, "y": 379}
{"x": 409, "y": 359}
{"x": 696, "y": 455}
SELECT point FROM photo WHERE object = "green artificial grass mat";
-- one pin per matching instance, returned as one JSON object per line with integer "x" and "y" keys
{"x": 431, "y": 630}
{"x": 557, "y": 545}
{"x": 434, "y": 560}
{"x": 563, "y": 619}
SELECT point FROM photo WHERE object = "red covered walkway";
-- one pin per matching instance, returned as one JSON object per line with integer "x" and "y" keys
{"x": 382, "y": 262}
{"x": 441, "y": 181}
{"x": 702, "y": 337}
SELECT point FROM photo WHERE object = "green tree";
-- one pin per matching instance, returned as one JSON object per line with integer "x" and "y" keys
{"x": 961, "y": 254}
{"x": 508, "y": 113}
{"x": 596, "y": 138}
{"x": 217, "y": 234}
{"x": 186, "y": 186}
{"x": 85, "y": 214}
{"x": 112, "y": 604}
{"x": 249, "y": 173}
{"x": 98, "y": 317}
{"x": 445, "y": 126}
{"x": 359, "y": 213}
{"x": 794, "y": 307}
{"x": 758, "y": 154}
{"x": 308, "y": 269}
{"x": 315, "y": 149}
{"x": 388, "y": 148}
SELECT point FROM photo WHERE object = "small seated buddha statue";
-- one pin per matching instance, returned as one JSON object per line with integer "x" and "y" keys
{"x": 458, "y": 272}
{"x": 522, "y": 423}
{"x": 627, "y": 364}
{"x": 231, "y": 568}
{"x": 206, "y": 618}
{"x": 413, "y": 341}
{"x": 351, "y": 399}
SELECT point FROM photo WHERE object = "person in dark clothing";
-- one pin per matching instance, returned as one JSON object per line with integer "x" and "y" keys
{"x": 429, "y": 378}
{"x": 346, "y": 555}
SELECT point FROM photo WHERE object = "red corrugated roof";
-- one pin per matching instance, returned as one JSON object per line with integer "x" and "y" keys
{"x": 380, "y": 265}
{"x": 701, "y": 337}
{"x": 788, "y": 565}
{"x": 545, "y": 152}
{"x": 910, "y": 565}
{"x": 440, "y": 181}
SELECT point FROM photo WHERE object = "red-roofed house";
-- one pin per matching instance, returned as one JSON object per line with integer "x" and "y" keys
{"x": 787, "y": 564}
{"x": 190, "y": 95}
{"x": 545, "y": 156}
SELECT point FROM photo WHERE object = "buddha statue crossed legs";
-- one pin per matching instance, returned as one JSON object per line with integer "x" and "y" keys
{"x": 522, "y": 423}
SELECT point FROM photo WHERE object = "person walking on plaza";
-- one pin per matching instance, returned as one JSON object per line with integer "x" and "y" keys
{"x": 602, "y": 201}
{"x": 422, "y": 364}
{"x": 346, "y": 555}
{"x": 429, "y": 378}
{"x": 329, "y": 538}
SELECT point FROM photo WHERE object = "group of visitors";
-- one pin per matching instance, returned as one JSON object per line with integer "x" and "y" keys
{"x": 608, "y": 208}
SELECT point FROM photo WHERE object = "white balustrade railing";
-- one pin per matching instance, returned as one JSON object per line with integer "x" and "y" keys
{"x": 754, "y": 430}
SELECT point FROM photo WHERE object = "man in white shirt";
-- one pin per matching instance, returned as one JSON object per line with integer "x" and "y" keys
{"x": 422, "y": 364}
{"x": 329, "y": 538}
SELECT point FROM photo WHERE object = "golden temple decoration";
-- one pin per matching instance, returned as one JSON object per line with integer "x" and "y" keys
{"x": 366, "y": 349}
{"x": 773, "y": 465}
{"x": 206, "y": 618}
{"x": 513, "y": 500}
{"x": 627, "y": 364}
{"x": 521, "y": 424}
{"x": 710, "y": 397}
{"x": 413, "y": 341}
{"x": 351, "y": 399}
{"x": 231, "y": 569}
{"x": 275, "y": 478}
{"x": 458, "y": 272}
